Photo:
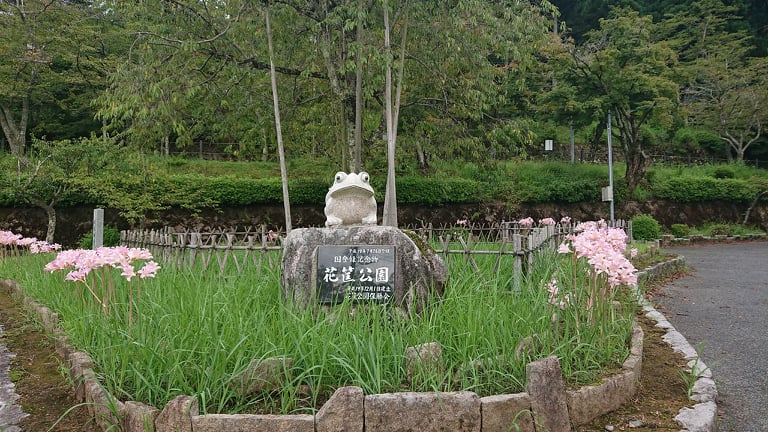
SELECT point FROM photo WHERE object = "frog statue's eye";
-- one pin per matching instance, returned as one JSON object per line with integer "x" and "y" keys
{"x": 365, "y": 177}
{"x": 340, "y": 176}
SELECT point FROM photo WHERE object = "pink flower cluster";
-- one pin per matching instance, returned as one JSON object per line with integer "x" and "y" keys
{"x": 526, "y": 222}
{"x": 8, "y": 238}
{"x": 83, "y": 261}
{"x": 603, "y": 247}
{"x": 547, "y": 221}
{"x": 554, "y": 295}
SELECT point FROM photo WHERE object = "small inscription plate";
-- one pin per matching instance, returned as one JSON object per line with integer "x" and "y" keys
{"x": 362, "y": 274}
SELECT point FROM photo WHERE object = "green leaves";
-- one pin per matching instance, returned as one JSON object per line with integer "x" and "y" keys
{"x": 625, "y": 67}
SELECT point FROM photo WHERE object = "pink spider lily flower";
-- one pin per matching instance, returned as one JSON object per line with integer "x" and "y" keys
{"x": 77, "y": 275}
{"x": 553, "y": 297}
{"x": 127, "y": 271}
{"x": 565, "y": 220}
{"x": 43, "y": 247}
{"x": 603, "y": 247}
{"x": 547, "y": 221}
{"x": 149, "y": 270}
{"x": 563, "y": 248}
{"x": 8, "y": 238}
{"x": 26, "y": 241}
{"x": 526, "y": 222}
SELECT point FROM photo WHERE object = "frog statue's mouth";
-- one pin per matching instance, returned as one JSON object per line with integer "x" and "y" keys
{"x": 352, "y": 190}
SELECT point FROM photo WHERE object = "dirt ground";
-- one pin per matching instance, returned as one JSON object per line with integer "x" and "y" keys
{"x": 49, "y": 400}
{"x": 36, "y": 371}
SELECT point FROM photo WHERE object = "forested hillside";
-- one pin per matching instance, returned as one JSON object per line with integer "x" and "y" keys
{"x": 584, "y": 15}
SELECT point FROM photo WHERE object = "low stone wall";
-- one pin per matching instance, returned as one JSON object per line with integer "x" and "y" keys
{"x": 349, "y": 409}
{"x": 669, "y": 240}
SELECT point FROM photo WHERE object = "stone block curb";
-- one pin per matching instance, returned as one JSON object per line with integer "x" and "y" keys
{"x": 703, "y": 416}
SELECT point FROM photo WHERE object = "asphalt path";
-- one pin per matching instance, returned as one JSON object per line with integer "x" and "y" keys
{"x": 722, "y": 310}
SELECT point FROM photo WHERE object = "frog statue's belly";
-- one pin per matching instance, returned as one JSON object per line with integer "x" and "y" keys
{"x": 350, "y": 206}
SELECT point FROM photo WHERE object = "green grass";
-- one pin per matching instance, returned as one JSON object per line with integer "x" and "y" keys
{"x": 193, "y": 331}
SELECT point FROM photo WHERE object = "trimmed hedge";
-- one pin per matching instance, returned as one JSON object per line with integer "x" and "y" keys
{"x": 233, "y": 191}
{"x": 519, "y": 183}
{"x": 694, "y": 189}
{"x": 434, "y": 191}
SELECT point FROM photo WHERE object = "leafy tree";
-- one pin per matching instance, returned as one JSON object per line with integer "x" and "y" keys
{"x": 54, "y": 57}
{"x": 733, "y": 100}
{"x": 470, "y": 90}
{"x": 723, "y": 89}
{"x": 623, "y": 68}
{"x": 53, "y": 171}
{"x": 194, "y": 69}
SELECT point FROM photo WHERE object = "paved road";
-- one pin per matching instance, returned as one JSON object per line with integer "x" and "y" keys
{"x": 722, "y": 310}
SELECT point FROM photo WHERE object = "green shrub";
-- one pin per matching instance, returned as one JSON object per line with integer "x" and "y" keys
{"x": 689, "y": 139}
{"x": 724, "y": 172}
{"x": 719, "y": 229}
{"x": 645, "y": 227}
{"x": 680, "y": 230}
{"x": 111, "y": 237}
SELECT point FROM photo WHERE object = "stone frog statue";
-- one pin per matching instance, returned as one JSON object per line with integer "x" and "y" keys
{"x": 350, "y": 200}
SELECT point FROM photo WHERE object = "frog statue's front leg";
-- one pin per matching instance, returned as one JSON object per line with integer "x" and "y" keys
{"x": 370, "y": 218}
{"x": 332, "y": 221}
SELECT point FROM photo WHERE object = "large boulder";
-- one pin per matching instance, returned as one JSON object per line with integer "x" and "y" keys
{"x": 418, "y": 272}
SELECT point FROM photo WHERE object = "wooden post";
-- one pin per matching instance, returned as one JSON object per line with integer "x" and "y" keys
{"x": 98, "y": 228}
{"x": 517, "y": 247}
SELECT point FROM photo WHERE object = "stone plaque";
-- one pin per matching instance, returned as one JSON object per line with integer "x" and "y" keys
{"x": 362, "y": 273}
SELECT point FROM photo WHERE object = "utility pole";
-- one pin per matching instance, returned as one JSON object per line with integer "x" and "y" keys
{"x": 610, "y": 164}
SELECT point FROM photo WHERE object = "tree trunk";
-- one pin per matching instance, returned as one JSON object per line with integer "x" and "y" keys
{"x": 265, "y": 148}
{"x": 740, "y": 155}
{"x": 390, "y": 195}
{"x": 16, "y": 134}
{"x": 358, "y": 139}
{"x": 50, "y": 211}
{"x": 421, "y": 157}
{"x": 342, "y": 86}
{"x": 637, "y": 164}
{"x": 595, "y": 144}
{"x": 278, "y": 130}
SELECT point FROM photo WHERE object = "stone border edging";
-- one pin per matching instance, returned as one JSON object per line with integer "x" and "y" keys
{"x": 670, "y": 240}
{"x": 351, "y": 410}
{"x": 703, "y": 416}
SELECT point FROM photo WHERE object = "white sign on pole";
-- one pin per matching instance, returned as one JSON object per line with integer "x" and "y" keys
{"x": 607, "y": 193}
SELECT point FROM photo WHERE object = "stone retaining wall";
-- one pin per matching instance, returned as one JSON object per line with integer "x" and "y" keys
{"x": 349, "y": 409}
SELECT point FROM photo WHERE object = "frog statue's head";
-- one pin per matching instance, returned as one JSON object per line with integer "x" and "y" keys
{"x": 350, "y": 200}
